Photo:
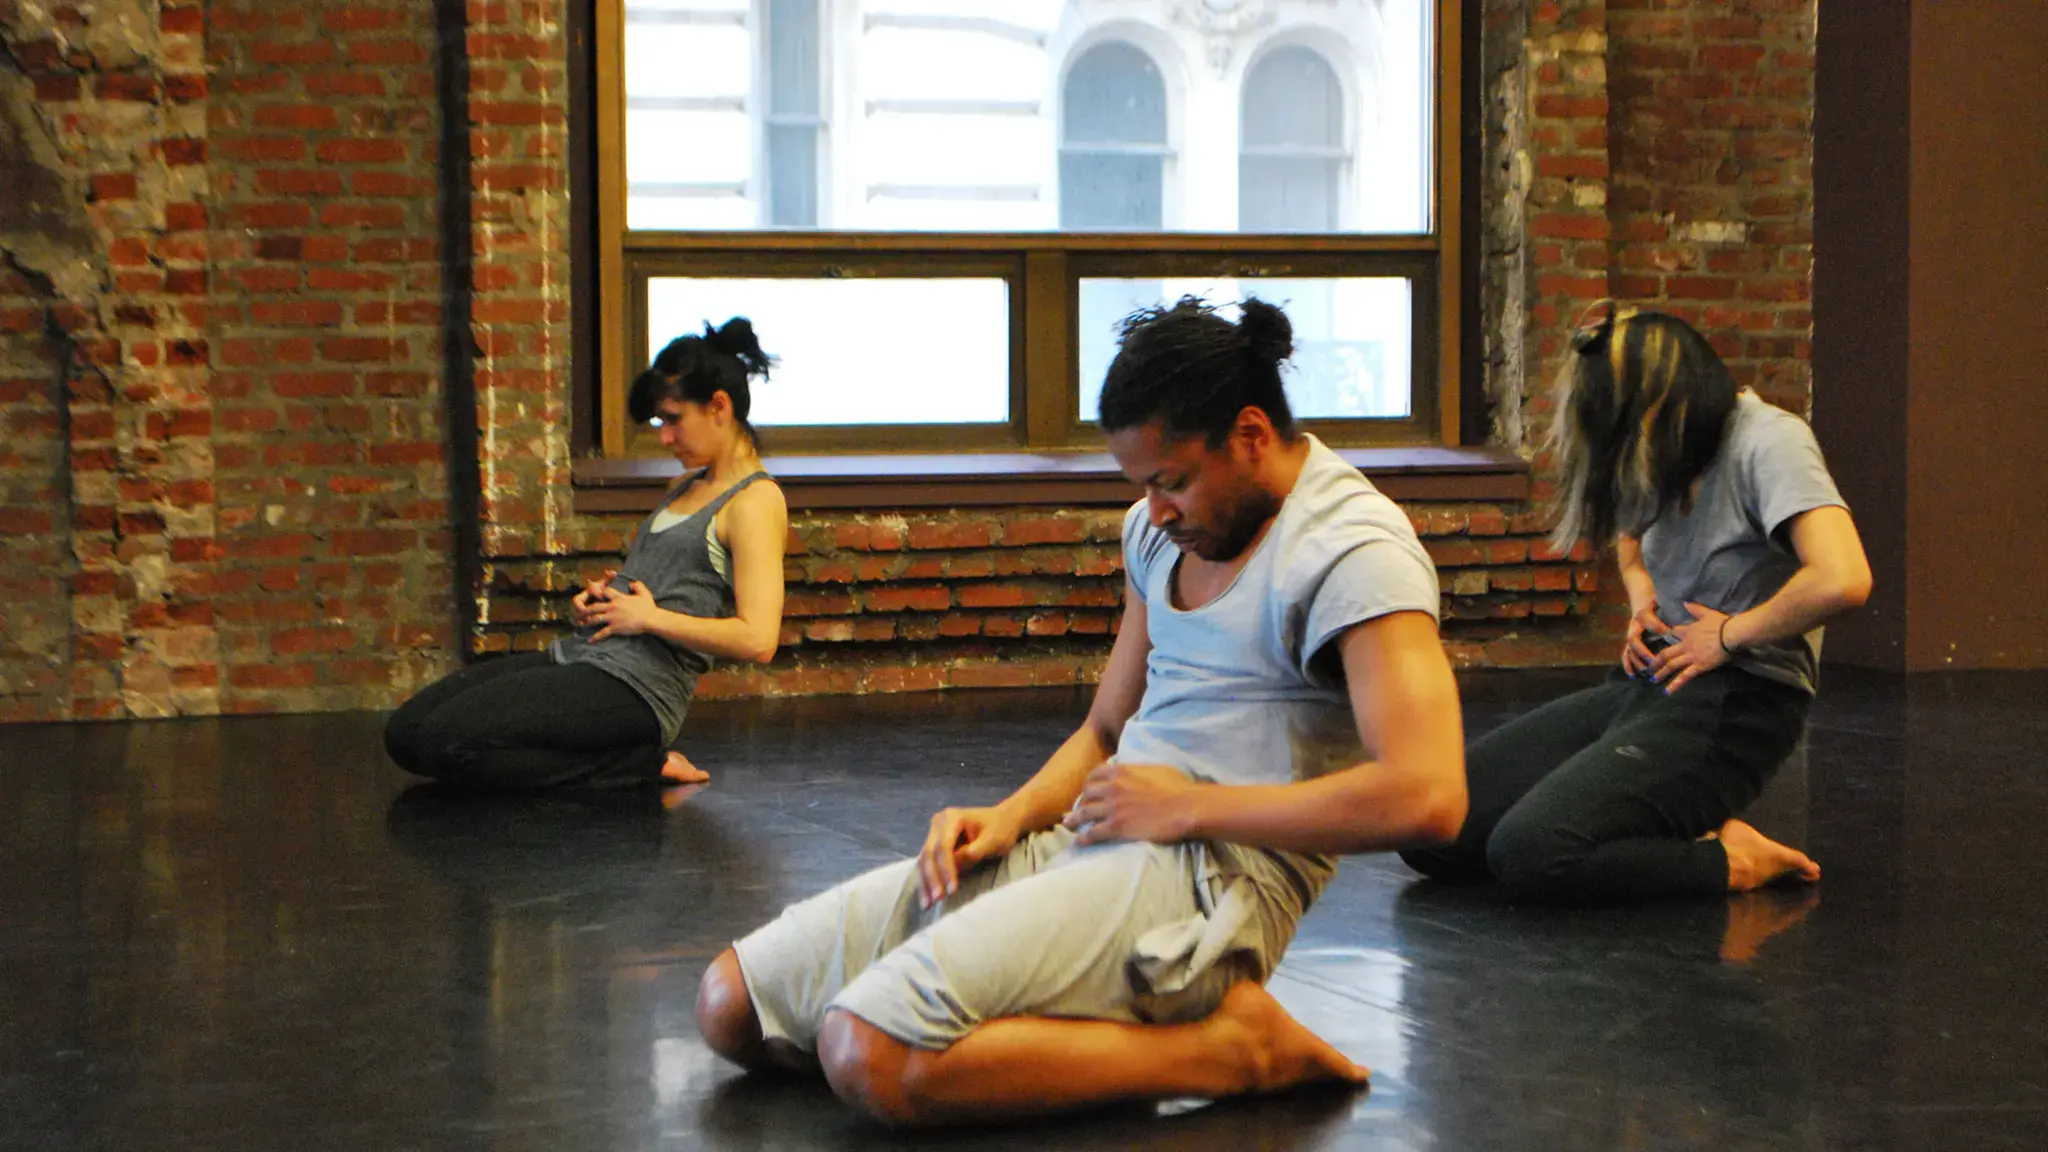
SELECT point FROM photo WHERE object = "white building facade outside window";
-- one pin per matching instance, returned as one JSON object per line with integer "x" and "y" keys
{"x": 1220, "y": 117}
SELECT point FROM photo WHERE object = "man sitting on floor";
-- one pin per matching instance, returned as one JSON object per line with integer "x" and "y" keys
{"x": 1105, "y": 933}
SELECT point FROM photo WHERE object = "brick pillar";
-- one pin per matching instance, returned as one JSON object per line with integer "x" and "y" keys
{"x": 1567, "y": 167}
{"x": 336, "y": 559}
{"x": 43, "y": 232}
{"x": 518, "y": 120}
{"x": 123, "y": 90}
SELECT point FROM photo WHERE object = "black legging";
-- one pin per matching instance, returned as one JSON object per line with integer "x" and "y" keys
{"x": 527, "y": 722}
{"x": 1604, "y": 795}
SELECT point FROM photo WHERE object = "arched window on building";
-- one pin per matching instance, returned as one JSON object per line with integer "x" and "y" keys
{"x": 1291, "y": 151}
{"x": 1113, "y": 148}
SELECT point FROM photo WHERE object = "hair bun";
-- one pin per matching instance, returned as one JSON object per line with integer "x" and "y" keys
{"x": 1267, "y": 333}
{"x": 736, "y": 339}
{"x": 1591, "y": 339}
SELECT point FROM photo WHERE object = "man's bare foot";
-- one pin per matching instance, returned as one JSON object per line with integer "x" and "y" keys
{"x": 677, "y": 769}
{"x": 1280, "y": 1052}
{"x": 1758, "y": 916}
{"x": 1755, "y": 860}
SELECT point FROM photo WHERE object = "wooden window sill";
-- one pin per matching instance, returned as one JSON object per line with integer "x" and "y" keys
{"x": 985, "y": 479}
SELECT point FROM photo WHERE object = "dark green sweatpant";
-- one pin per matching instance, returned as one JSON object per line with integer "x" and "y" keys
{"x": 1604, "y": 795}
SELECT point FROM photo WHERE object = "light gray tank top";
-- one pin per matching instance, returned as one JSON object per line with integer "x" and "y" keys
{"x": 677, "y": 568}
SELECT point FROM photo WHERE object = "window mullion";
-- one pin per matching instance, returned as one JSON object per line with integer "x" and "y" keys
{"x": 610, "y": 71}
{"x": 1048, "y": 349}
{"x": 1446, "y": 222}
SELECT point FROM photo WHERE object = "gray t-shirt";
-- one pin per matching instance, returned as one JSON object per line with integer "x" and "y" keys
{"x": 1240, "y": 690}
{"x": 1728, "y": 553}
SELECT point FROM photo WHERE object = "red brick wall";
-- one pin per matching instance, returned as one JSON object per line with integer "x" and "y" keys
{"x": 334, "y": 579}
{"x": 975, "y": 598}
{"x": 1671, "y": 149}
{"x": 229, "y": 390}
{"x": 1711, "y": 195}
{"x": 226, "y": 485}
{"x": 35, "y": 562}
{"x": 882, "y": 602}
{"x": 115, "y": 297}
{"x": 518, "y": 141}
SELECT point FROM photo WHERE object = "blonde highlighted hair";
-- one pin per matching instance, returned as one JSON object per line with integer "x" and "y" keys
{"x": 1642, "y": 405}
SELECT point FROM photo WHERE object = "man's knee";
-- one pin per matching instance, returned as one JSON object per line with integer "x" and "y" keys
{"x": 1532, "y": 861}
{"x": 869, "y": 1069}
{"x": 725, "y": 1014}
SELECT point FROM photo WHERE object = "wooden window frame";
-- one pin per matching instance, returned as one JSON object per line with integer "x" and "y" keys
{"x": 1044, "y": 270}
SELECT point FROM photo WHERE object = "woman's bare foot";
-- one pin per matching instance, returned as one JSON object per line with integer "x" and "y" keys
{"x": 677, "y": 769}
{"x": 1280, "y": 1052}
{"x": 1755, "y": 860}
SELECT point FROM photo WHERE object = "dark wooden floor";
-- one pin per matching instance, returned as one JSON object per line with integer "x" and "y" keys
{"x": 252, "y": 934}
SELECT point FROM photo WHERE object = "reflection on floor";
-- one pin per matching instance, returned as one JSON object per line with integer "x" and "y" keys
{"x": 255, "y": 934}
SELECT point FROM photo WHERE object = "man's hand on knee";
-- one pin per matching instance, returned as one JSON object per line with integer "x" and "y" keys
{"x": 961, "y": 838}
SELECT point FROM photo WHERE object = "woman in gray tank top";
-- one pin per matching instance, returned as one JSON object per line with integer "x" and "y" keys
{"x": 1734, "y": 547}
{"x": 702, "y": 580}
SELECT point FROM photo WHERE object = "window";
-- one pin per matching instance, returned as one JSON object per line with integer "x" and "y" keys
{"x": 688, "y": 77}
{"x": 1352, "y": 337}
{"x": 936, "y": 211}
{"x": 832, "y": 336}
{"x": 1113, "y": 141}
{"x": 1291, "y": 153}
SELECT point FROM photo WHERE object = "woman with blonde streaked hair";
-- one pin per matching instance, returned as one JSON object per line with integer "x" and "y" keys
{"x": 1734, "y": 547}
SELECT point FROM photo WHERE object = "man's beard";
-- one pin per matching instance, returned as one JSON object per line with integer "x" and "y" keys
{"x": 1239, "y": 529}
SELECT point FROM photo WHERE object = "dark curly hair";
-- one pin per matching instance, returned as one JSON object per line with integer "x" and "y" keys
{"x": 1194, "y": 371}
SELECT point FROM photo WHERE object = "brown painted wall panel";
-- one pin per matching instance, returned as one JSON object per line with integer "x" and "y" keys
{"x": 1977, "y": 503}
